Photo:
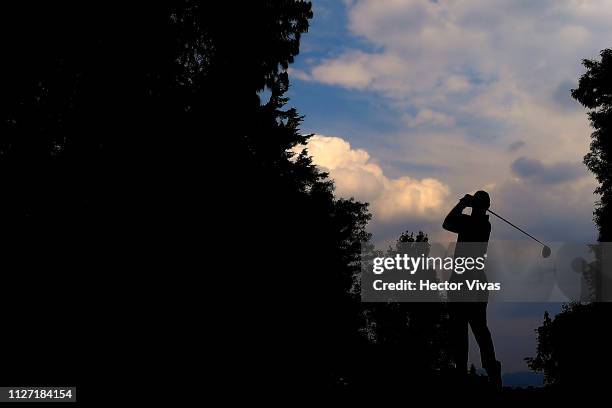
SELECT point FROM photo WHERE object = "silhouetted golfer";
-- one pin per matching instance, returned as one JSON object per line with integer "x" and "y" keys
{"x": 470, "y": 307}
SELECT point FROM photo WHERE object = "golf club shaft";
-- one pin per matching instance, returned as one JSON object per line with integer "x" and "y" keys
{"x": 524, "y": 232}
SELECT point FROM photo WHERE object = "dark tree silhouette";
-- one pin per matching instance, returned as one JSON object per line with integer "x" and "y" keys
{"x": 573, "y": 347}
{"x": 409, "y": 340}
{"x": 302, "y": 242}
{"x": 132, "y": 135}
{"x": 595, "y": 93}
{"x": 544, "y": 361}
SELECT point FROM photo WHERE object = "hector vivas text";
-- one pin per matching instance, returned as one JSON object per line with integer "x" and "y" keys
{"x": 413, "y": 265}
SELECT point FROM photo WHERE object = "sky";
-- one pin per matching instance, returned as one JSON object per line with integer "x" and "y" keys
{"x": 415, "y": 103}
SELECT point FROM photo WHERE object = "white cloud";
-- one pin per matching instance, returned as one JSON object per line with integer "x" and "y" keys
{"x": 359, "y": 70}
{"x": 299, "y": 74}
{"x": 356, "y": 175}
{"x": 350, "y": 71}
{"x": 428, "y": 117}
{"x": 457, "y": 83}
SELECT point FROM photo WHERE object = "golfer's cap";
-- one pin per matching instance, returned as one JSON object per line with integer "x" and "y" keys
{"x": 482, "y": 199}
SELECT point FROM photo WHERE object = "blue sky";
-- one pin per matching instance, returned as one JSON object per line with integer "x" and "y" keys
{"x": 415, "y": 103}
{"x": 471, "y": 94}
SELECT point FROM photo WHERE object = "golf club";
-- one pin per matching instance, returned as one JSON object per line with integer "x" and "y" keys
{"x": 545, "y": 251}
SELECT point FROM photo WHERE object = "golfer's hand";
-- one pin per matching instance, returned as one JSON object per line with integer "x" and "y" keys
{"x": 467, "y": 200}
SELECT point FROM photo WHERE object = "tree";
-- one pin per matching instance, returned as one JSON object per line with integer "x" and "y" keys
{"x": 573, "y": 347}
{"x": 132, "y": 134}
{"x": 544, "y": 361}
{"x": 411, "y": 338}
{"x": 303, "y": 242}
{"x": 594, "y": 92}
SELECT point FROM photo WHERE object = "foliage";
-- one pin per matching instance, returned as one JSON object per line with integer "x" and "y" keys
{"x": 414, "y": 335}
{"x": 594, "y": 92}
{"x": 573, "y": 346}
{"x": 133, "y": 135}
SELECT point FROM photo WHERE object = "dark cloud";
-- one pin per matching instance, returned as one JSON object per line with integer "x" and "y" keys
{"x": 398, "y": 168}
{"x": 513, "y": 147}
{"x": 554, "y": 213}
{"x": 535, "y": 171}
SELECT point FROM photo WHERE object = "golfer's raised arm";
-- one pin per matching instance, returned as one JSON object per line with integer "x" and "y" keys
{"x": 454, "y": 221}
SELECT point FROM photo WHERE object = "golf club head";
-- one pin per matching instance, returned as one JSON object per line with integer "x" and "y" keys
{"x": 546, "y": 251}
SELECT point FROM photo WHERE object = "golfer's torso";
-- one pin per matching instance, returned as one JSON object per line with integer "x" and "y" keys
{"x": 472, "y": 242}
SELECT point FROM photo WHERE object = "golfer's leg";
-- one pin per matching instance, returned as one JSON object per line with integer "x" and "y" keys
{"x": 478, "y": 322}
